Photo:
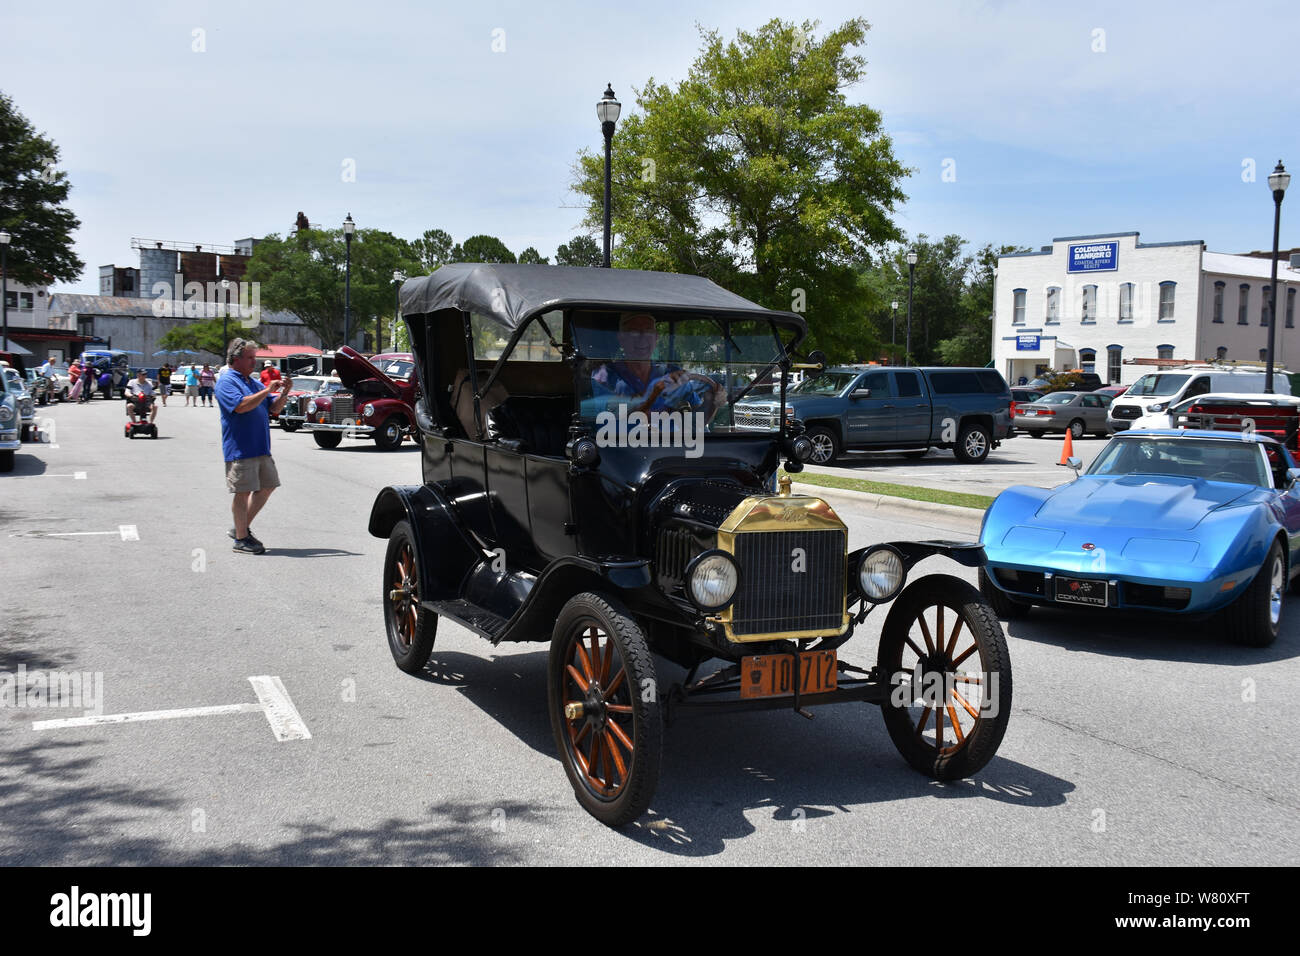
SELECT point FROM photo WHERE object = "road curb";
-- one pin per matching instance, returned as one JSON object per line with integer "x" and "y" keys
{"x": 890, "y": 503}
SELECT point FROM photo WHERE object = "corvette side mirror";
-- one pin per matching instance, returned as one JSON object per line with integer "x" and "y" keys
{"x": 1292, "y": 475}
{"x": 1075, "y": 463}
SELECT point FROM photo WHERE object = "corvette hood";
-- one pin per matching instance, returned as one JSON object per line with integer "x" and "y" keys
{"x": 1156, "y": 502}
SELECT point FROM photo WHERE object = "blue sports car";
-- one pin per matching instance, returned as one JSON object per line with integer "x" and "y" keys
{"x": 1185, "y": 522}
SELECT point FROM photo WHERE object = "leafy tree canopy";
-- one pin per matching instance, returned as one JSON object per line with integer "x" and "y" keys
{"x": 32, "y": 194}
{"x": 582, "y": 251}
{"x": 204, "y": 335}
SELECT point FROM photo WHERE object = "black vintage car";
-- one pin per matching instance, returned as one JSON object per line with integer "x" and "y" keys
{"x": 585, "y": 485}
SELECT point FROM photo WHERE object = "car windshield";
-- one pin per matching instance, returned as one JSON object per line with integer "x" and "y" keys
{"x": 306, "y": 383}
{"x": 1214, "y": 460}
{"x": 396, "y": 368}
{"x": 674, "y": 363}
{"x": 824, "y": 383}
{"x": 13, "y": 382}
{"x": 1162, "y": 384}
{"x": 1057, "y": 398}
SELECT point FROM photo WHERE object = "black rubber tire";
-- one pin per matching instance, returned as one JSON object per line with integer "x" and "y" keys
{"x": 410, "y": 640}
{"x": 153, "y": 431}
{"x": 290, "y": 426}
{"x": 973, "y": 444}
{"x": 1003, "y": 604}
{"x": 824, "y": 440}
{"x": 1076, "y": 428}
{"x": 328, "y": 439}
{"x": 613, "y": 799}
{"x": 979, "y": 741}
{"x": 6, "y": 461}
{"x": 1249, "y": 619}
{"x": 25, "y": 433}
{"x": 388, "y": 434}
{"x": 1102, "y": 434}
{"x": 63, "y": 395}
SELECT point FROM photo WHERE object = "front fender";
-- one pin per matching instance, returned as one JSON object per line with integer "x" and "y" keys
{"x": 967, "y": 553}
{"x": 446, "y": 553}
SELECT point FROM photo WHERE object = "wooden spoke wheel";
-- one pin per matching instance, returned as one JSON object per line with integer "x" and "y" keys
{"x": 411, "y": 628}
{"x": 943, "y": 651}
{"x": 604, "y": 705}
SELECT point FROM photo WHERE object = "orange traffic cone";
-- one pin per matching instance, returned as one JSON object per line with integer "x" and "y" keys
{"x": 1067, "y": 451}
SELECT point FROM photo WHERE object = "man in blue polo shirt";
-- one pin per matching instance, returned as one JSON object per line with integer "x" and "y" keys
{"x": 246, "y": 410}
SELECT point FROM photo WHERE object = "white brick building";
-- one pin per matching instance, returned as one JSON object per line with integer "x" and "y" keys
{"x": 1092, "y": 302}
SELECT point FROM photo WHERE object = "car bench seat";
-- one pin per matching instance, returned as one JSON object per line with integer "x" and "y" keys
{"x": 533, "y": 424}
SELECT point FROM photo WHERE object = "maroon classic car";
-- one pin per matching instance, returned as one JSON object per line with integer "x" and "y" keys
{"x": 376, "y": 402}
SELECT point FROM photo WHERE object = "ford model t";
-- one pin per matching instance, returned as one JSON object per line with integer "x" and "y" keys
{"x": 587, "y": 483}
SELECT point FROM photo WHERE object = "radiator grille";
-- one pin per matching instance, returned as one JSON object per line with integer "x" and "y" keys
{"x": 1125, "y": 412}
{"x": 343, "y": 409}
{"x": 774, "y": 598}
{"x": 754, "y": 416}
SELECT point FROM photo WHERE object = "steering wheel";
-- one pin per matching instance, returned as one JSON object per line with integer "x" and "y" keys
{"x": 1231, "y": 476}
{"x": 679, "y": 398}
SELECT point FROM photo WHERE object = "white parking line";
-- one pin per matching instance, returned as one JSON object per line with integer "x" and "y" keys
{"x": 146, "y": 715}
{"x": 273, "y": 702}
{"x": 279, "y": 709}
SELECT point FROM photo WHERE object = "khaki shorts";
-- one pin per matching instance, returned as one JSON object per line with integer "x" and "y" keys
{"x": 251, "y": 474}
{"x": 191, "y": 390}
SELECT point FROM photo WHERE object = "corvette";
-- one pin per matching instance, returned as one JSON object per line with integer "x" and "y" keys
{"x": 1184, "y": 522}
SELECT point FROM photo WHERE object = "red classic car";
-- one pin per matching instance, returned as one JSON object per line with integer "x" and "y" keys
{"x": 377, "y": 401}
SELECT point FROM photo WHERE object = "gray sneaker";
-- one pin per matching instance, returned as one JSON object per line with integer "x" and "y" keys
{"x": 233, "y": 537}
{"x": 249, "y": 545}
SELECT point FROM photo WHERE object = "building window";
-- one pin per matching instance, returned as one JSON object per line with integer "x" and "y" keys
{"x": 1053, "y": 304}
{"x": 11, "y": 300}
{"x": 1263, "y": 355}
{"x": 1088, "y": 360}
{"x": 1220, "y": 353}
{"x": 1218, "y": 301}
{"x": 25, "y": 301}
{"x": 1126, "y": 302}
{"x": 1113, "y": 353}
{"x": 1088, "y": 307}
{"x": 86, "y": 328}
{"x": 1166, "y": 301}
{"x": 1164, "y": 351}
{"x": 1243, "y": 300}
{"x": 1018, "y": 308}
{"x": 1290, "y": 308}
{"x": 1265, "y": 305}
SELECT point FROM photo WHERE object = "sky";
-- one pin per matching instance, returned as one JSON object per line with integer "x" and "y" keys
{"x": 200, "y": 122}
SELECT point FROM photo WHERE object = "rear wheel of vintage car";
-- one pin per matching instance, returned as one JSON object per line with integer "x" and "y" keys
{"x": 1255, "y": 618}
{"x": 825, "y": 445}
{"x": 411, "y": 628}
{"x": 605, "y": 708}
{"x": 389, "y": 435}
{"x": 949, "y": 721}
{"x": 1003, "y": 604}
{"x": 327, "y": 439}
{"x": 973, "y": 444}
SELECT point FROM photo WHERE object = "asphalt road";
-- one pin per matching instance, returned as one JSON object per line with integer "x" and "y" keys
{"x": 1130, "y": 742}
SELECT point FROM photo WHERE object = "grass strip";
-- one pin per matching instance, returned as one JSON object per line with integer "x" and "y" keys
{"x": 915, "y": 493}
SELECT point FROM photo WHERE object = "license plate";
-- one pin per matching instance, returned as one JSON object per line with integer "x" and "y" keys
{"x": 772, "y": 675}
{"x": 1079, "y": 591}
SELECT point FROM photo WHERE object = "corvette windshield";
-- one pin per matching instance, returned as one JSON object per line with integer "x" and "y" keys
{"x": 1158, "y": 384}
{"x": 1231, "y": 461}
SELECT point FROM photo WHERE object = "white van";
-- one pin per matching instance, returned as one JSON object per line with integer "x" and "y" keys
{"x": 1146, "y": 403}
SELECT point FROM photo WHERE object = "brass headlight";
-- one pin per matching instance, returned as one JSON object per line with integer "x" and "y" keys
{"x": 881, "y": 574}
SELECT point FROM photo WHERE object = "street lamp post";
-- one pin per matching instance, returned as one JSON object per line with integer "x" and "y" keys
{"x": 4, "y": 283}
{"x": 349, "y": 227}
{"x": 1278, "y": 180}
{"x": 911, "y": 282}
{"x": 398, "y": 278}
{"x": 607, "y": 111}
{"x": 225, "y": 317}
{"x": 893, "y": 332}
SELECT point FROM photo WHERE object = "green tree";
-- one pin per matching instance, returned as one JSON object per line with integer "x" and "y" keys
{"x": 582, "y": 251}
{"x": 756, "y": 172}
{"x": 531, "y": 255}
{"x": 32, "y": 194}
{"x": 433, "y": 248}
{"x": 304, "y": 274}
{"x": 204, "y": 335}
{"x": 481, "y": 249}
{"x": 972, "y": 344}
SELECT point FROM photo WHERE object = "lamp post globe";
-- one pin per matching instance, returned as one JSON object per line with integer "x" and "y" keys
{"x": 349, "y": 227}
{"x": 607, "y": 110}
{"x": 911, "y": 283}
{"x": 1278, "y": 180}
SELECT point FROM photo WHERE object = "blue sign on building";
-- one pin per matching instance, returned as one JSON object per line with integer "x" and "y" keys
{"x": 1027, "y": 343}
{"x": 1093, "y": 257}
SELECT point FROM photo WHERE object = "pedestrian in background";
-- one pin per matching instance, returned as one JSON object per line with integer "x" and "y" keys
{"x": 207, "y": 378}
{"x": 270, "y": 374}
{"x": 192, "y": 384}
{"x": 246, "y": 412}
{"x": 165, "y": 381}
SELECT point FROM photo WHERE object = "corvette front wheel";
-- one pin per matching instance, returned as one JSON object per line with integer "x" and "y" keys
{"x": 1255, "y": 618}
